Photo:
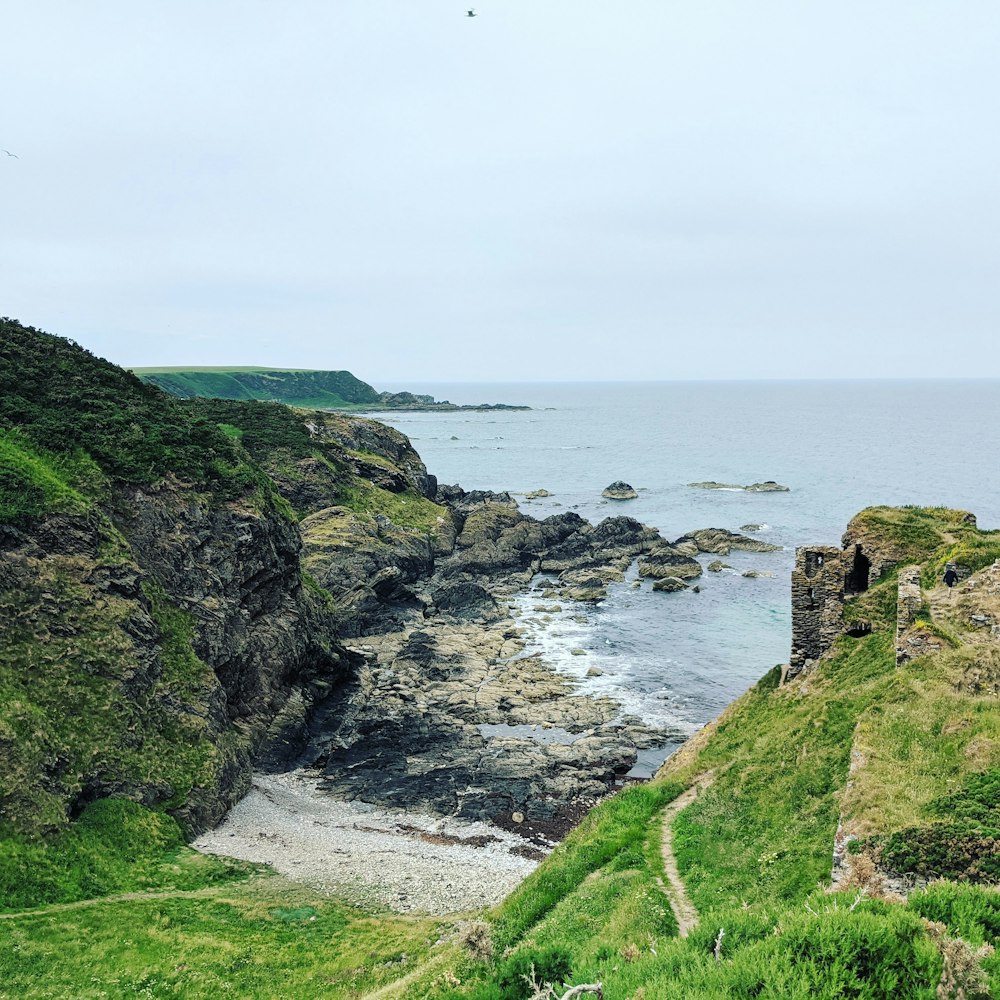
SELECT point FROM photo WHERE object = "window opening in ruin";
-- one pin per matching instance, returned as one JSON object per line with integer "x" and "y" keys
{"x": 812, "y": 597}
{"x": 856, "y": 580}
{"x": 814, "y": 561}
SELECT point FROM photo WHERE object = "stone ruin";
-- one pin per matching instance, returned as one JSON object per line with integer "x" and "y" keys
{"x": 823, "y": 579}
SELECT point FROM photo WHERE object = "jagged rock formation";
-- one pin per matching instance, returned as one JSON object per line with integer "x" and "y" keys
{"x": 721, "y": 541}
{"x": 668, "y": 561}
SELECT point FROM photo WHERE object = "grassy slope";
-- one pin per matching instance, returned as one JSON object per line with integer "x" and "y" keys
{"x": 261, "y": 938}
{"x": 755, "y": 848}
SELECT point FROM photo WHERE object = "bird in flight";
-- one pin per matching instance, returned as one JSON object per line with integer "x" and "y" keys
{"x": 9, "y": 153}
{"x": 471, "y": 12}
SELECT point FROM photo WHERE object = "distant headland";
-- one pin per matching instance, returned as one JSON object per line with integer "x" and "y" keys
{"x": 303, "y": 387}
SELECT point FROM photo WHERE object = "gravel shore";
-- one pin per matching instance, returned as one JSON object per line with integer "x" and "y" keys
{"x": 403, "y": 861}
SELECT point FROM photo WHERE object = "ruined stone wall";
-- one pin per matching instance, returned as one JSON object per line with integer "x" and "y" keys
{"x": 817, "y": 603}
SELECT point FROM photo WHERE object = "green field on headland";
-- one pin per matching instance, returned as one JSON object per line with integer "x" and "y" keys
{"x": 292, "y": 386}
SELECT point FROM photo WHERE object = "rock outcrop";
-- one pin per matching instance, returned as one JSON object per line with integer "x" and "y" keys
{"x": 769, "y": 486}
{"x": 449, "y": 715}
{"x": 619, "y": 490}
{"x": 666, "y": 562}
{"x": 720, "y": 541}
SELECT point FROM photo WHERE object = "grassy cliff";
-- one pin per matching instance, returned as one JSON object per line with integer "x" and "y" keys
{"x": 907, "y": 758}
{"x": 138, "y": 534}
{"x": 295, "y": 387}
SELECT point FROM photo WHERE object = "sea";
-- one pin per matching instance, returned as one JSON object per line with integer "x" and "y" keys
{"x": 676, "y": 660}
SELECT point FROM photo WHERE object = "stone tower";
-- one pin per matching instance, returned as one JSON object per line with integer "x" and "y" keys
{"x": 817, "y": 604}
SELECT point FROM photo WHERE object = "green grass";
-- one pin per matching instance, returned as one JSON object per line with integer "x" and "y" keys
{"x": 114, "y": 846}
{"x": 67, "y": 400}
{"x": 920, "y": 741}
{"x": 974, "y": 551}
{"x": 763, "y": 831}
{"x": 34, "y": 482}
{"x": 173, "y": 369}
{"x": 262, "y": 939}
{"x": 911, "y": 533}
{"x": 616, "y": 835}
{"x": 76, "y": 688}
{"x": 407, "y": 510}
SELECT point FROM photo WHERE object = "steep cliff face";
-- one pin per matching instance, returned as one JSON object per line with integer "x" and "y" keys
{"x": 154, "y": 619}
{"x": 146, "y": 654}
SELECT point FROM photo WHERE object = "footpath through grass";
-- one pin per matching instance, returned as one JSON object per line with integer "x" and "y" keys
{"x": 262, "y": 939}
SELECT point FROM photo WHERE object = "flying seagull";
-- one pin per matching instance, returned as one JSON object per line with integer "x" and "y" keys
{"x": 471, "y": 12}
{"x": 9, "y": 153}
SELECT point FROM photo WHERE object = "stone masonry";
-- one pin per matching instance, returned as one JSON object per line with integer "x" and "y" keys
{"x": 823, "y": 579}
{"x": 817, "y": 604}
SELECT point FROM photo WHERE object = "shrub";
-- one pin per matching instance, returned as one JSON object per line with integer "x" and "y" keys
{"x": 542, "y": 965}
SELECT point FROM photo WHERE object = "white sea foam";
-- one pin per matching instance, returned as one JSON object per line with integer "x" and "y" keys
{"x": 570, "y": 642}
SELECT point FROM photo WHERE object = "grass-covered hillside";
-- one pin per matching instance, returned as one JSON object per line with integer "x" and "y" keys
{"x": 71, "y": 423}
{"x": 139, "y": 535}
{"x": 295, "y": 387}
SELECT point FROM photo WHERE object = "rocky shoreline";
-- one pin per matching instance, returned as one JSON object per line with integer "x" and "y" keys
{"x": 445, "y": 711}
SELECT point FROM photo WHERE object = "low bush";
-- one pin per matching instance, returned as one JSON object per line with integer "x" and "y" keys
{"x": 539, "y": 965}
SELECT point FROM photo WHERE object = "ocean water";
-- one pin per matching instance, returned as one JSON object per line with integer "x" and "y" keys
{"x": 678, "y": 659}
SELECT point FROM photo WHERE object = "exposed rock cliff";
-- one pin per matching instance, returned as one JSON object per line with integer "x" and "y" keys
{"x": 176, "y": 577}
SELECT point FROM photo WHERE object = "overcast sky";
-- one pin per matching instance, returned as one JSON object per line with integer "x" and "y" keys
{"x": 550, "y": 190}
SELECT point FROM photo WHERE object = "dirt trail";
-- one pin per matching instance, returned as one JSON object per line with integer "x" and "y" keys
{"x": 82, "y": 904}
{"x": 684, "y": 911}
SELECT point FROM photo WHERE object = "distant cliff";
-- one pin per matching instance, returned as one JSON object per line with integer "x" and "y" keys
{"x": 295, "y": 387}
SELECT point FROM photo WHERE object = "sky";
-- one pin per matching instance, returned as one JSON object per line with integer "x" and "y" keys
{"x": 547, "y": 191}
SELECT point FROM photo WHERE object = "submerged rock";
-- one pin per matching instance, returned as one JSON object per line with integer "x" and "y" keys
{"x": 769, "y": 486}
{"x": 619, "y": 491}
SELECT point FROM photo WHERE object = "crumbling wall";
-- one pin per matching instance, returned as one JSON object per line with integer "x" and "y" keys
{"x": 912, "y": 638}
{"x": 817, "y": 603}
